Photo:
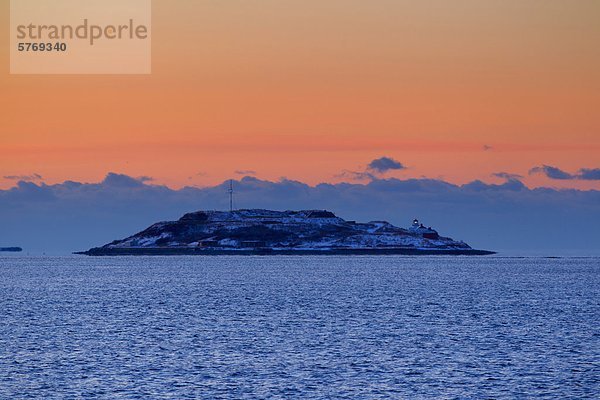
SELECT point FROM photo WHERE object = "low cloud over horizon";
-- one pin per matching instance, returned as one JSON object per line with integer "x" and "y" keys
{"x": 26, "y": 178}
{"x": 73, "y": 216}
{"x": 587, "y": 174}
{"x": 507, "y": 176}
{"x": 384, "y": 166}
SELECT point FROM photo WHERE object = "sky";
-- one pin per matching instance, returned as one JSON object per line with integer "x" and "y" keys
{"x": 306, "y": 90}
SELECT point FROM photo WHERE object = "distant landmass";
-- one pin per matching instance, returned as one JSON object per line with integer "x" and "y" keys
{"x": 11, "y": 249}
{"x": 266, "y": 232}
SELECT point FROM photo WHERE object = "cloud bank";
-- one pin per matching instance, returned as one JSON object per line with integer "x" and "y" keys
{"x": 74, "y": 216}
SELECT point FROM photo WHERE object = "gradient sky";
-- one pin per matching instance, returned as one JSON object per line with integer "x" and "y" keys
{"x": 307, "y": 89}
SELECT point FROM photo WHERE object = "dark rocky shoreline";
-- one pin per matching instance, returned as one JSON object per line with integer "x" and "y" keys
{"x": 173, "y": 251}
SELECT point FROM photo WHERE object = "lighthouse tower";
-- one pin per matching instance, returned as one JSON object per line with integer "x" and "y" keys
{"x": 415, "y": 225}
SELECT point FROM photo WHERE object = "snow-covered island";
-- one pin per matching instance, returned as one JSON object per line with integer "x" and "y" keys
{"x": 266, "y": 232}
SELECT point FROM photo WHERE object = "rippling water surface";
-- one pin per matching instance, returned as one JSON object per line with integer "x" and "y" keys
{"x": 299, "y": 327}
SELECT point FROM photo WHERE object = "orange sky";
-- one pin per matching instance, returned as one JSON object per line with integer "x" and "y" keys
{"x": 306, "y": 89}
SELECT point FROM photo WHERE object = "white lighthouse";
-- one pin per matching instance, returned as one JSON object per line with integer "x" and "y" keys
{"x": 415, "y": 225}
{"x": 428, "y": 233}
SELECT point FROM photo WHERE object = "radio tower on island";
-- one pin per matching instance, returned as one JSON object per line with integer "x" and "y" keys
{"x": 231, "y": 195}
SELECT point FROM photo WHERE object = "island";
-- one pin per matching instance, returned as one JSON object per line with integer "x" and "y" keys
{"x": 267, "y": 232}
{"x": 11, "y": 249}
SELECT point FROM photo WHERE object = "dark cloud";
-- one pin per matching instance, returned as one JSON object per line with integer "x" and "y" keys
{"x": 25, "y": 178}
{"x": 507, "y": 175}
{"x": 72, "y": 216}
{"x": 551, "y": 172}
{"x": 510, "y": 185}
{"x": 384, "y": 164}
{"x": 373, "y": 171}
{"x": 588, "y": 174}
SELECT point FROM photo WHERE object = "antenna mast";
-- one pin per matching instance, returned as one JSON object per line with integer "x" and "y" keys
{"x": 231, "y": 195}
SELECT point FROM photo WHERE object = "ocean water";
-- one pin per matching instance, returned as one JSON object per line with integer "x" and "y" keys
{"x": 299, "y": 327}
